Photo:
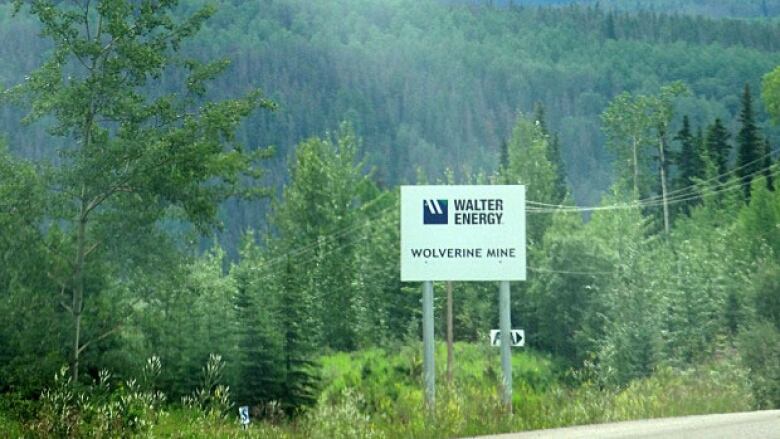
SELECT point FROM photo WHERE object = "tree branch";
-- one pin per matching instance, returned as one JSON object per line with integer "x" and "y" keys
{"x": 100, "y": 337}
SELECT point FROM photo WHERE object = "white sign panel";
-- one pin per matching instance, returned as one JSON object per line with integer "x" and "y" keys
{"x": 518, "y": 337}
{"x": 243, "y": 414}
{"x": 463, "y": 233}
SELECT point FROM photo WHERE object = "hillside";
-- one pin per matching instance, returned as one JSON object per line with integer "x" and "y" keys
{"x": 431, "y": 86}
{"x": 710, "y": 8}
{"x": 627, "y": 208}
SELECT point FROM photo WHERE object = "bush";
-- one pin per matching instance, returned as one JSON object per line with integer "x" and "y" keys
{"x": 68, "y": 411}
{"x": 760, "y": 348}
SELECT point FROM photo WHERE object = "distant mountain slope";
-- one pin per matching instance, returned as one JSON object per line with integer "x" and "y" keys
{"x": 430, "y": 86}
{"x": 710, "y": 8}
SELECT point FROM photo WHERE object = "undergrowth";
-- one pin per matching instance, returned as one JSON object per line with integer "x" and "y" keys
{"x": 377, "y": 394}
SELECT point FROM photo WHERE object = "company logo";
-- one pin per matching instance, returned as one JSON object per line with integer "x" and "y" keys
{"x": 435, "y": 212}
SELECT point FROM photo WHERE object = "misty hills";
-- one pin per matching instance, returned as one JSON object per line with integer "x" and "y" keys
{"x": 430, "y": 86}
{"x": 710, "y": 8}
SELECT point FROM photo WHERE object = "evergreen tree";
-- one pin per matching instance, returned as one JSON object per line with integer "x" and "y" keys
{"x": 503, "y": 157}
{"x": 609, "y": 26}
{"x": 718, "y": 148}
{"x": 689, "y": 161}
{"x": 300, "y": 377}
{"x": 749, "y": 144}
{"x": 259, "y": 345}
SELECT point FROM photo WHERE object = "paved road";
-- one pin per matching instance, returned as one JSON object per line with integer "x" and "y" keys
{"x": 749, "y": 425}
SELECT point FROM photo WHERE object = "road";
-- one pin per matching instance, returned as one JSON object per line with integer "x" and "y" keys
{"x": 748, "y": 425}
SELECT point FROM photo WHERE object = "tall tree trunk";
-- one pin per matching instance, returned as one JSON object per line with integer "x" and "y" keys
{"x": 636, "y": 170}
{"x": 78, "y": 291}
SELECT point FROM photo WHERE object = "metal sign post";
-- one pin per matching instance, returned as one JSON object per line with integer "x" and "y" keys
{"x": 505, "y": 325}
{"x": 429, "y": 369}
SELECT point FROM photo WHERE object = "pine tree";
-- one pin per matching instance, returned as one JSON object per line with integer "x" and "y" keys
{"x": 300, "y": 377}
{"x": 689, "y": 161}
{"x": 259, "y": 344}
{"x": 503, "y": 157}
{"x": 609, "y": 26}
{"x": 718, "y": 148}
{"x": 749, "y": 144}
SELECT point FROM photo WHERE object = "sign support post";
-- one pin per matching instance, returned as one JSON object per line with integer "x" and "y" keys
{"x": 429, "y": 369}
{"x": 505, "y": 326}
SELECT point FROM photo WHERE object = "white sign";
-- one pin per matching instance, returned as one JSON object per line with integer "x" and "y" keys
{"x": 518, "y": 337}
{"x": 243, "y": 413}
{"x": 463, "y": 233}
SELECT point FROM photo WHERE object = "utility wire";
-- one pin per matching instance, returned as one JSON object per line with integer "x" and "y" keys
{"x": 301, "y": 251}
{"x": 651, "y": 202}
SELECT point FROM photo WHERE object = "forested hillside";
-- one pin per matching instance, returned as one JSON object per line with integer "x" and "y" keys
{"x": 133, "y": 130}
{"x": 429, "y": 86}
{"x": 712, "y": 8}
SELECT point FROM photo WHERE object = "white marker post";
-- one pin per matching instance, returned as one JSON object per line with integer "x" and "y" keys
{"x": 243, "y": 414}
{"x": 463, "y": 233}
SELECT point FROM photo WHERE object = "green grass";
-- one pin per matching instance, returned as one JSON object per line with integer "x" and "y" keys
{"x": 10, "y": 428}
{"x": 378, "y": 394}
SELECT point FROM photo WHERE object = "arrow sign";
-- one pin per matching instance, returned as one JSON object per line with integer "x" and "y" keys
{"x": 518, "y": 337}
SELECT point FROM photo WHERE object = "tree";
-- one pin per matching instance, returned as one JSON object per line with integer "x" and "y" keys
{"x": 749, "y": 144}
{"x": 609, "y": 26}
{"x": 632, "y": 124}
{"x": 257, "y": 313}
{"x": 689, "y": 161}
{"x": 31, "y": 333}
{"x": 627, "y": 127}
{"x": 767, "y": 165}
{"x": 131, "y": 157}
{"x": 553, "y": 154}
{"x": 770, "y": 93}
{"x": 662, "y": 112}
{"x": 718, "y": 148}
{"x": 529, "y": 152}
{"x": 320, "y": 207}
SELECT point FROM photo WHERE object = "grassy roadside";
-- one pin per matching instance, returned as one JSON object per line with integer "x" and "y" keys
{"x": 377, "y": 394}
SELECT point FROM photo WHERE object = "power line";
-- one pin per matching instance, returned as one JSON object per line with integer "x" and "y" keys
{"x": 649, "y": 202}
{"x": 369, "y": 221}
{"x": 677, "y": 192}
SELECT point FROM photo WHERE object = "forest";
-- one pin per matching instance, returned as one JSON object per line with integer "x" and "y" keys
{"x": 199, "y": 210}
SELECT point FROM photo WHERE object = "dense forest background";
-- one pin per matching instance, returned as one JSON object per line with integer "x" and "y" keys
{"x": 430, "y": 87}
{"x": 146, "y": 229}
{"x": 712, "y": 8}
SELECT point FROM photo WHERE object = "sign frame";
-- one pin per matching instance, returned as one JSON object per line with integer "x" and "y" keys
{"x": 463, "y": 233}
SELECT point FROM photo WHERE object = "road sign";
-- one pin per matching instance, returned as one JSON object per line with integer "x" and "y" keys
{"x": 243, "y": 413}
{"x": 468, "y": 233}
{"x": 518, "y": 337}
